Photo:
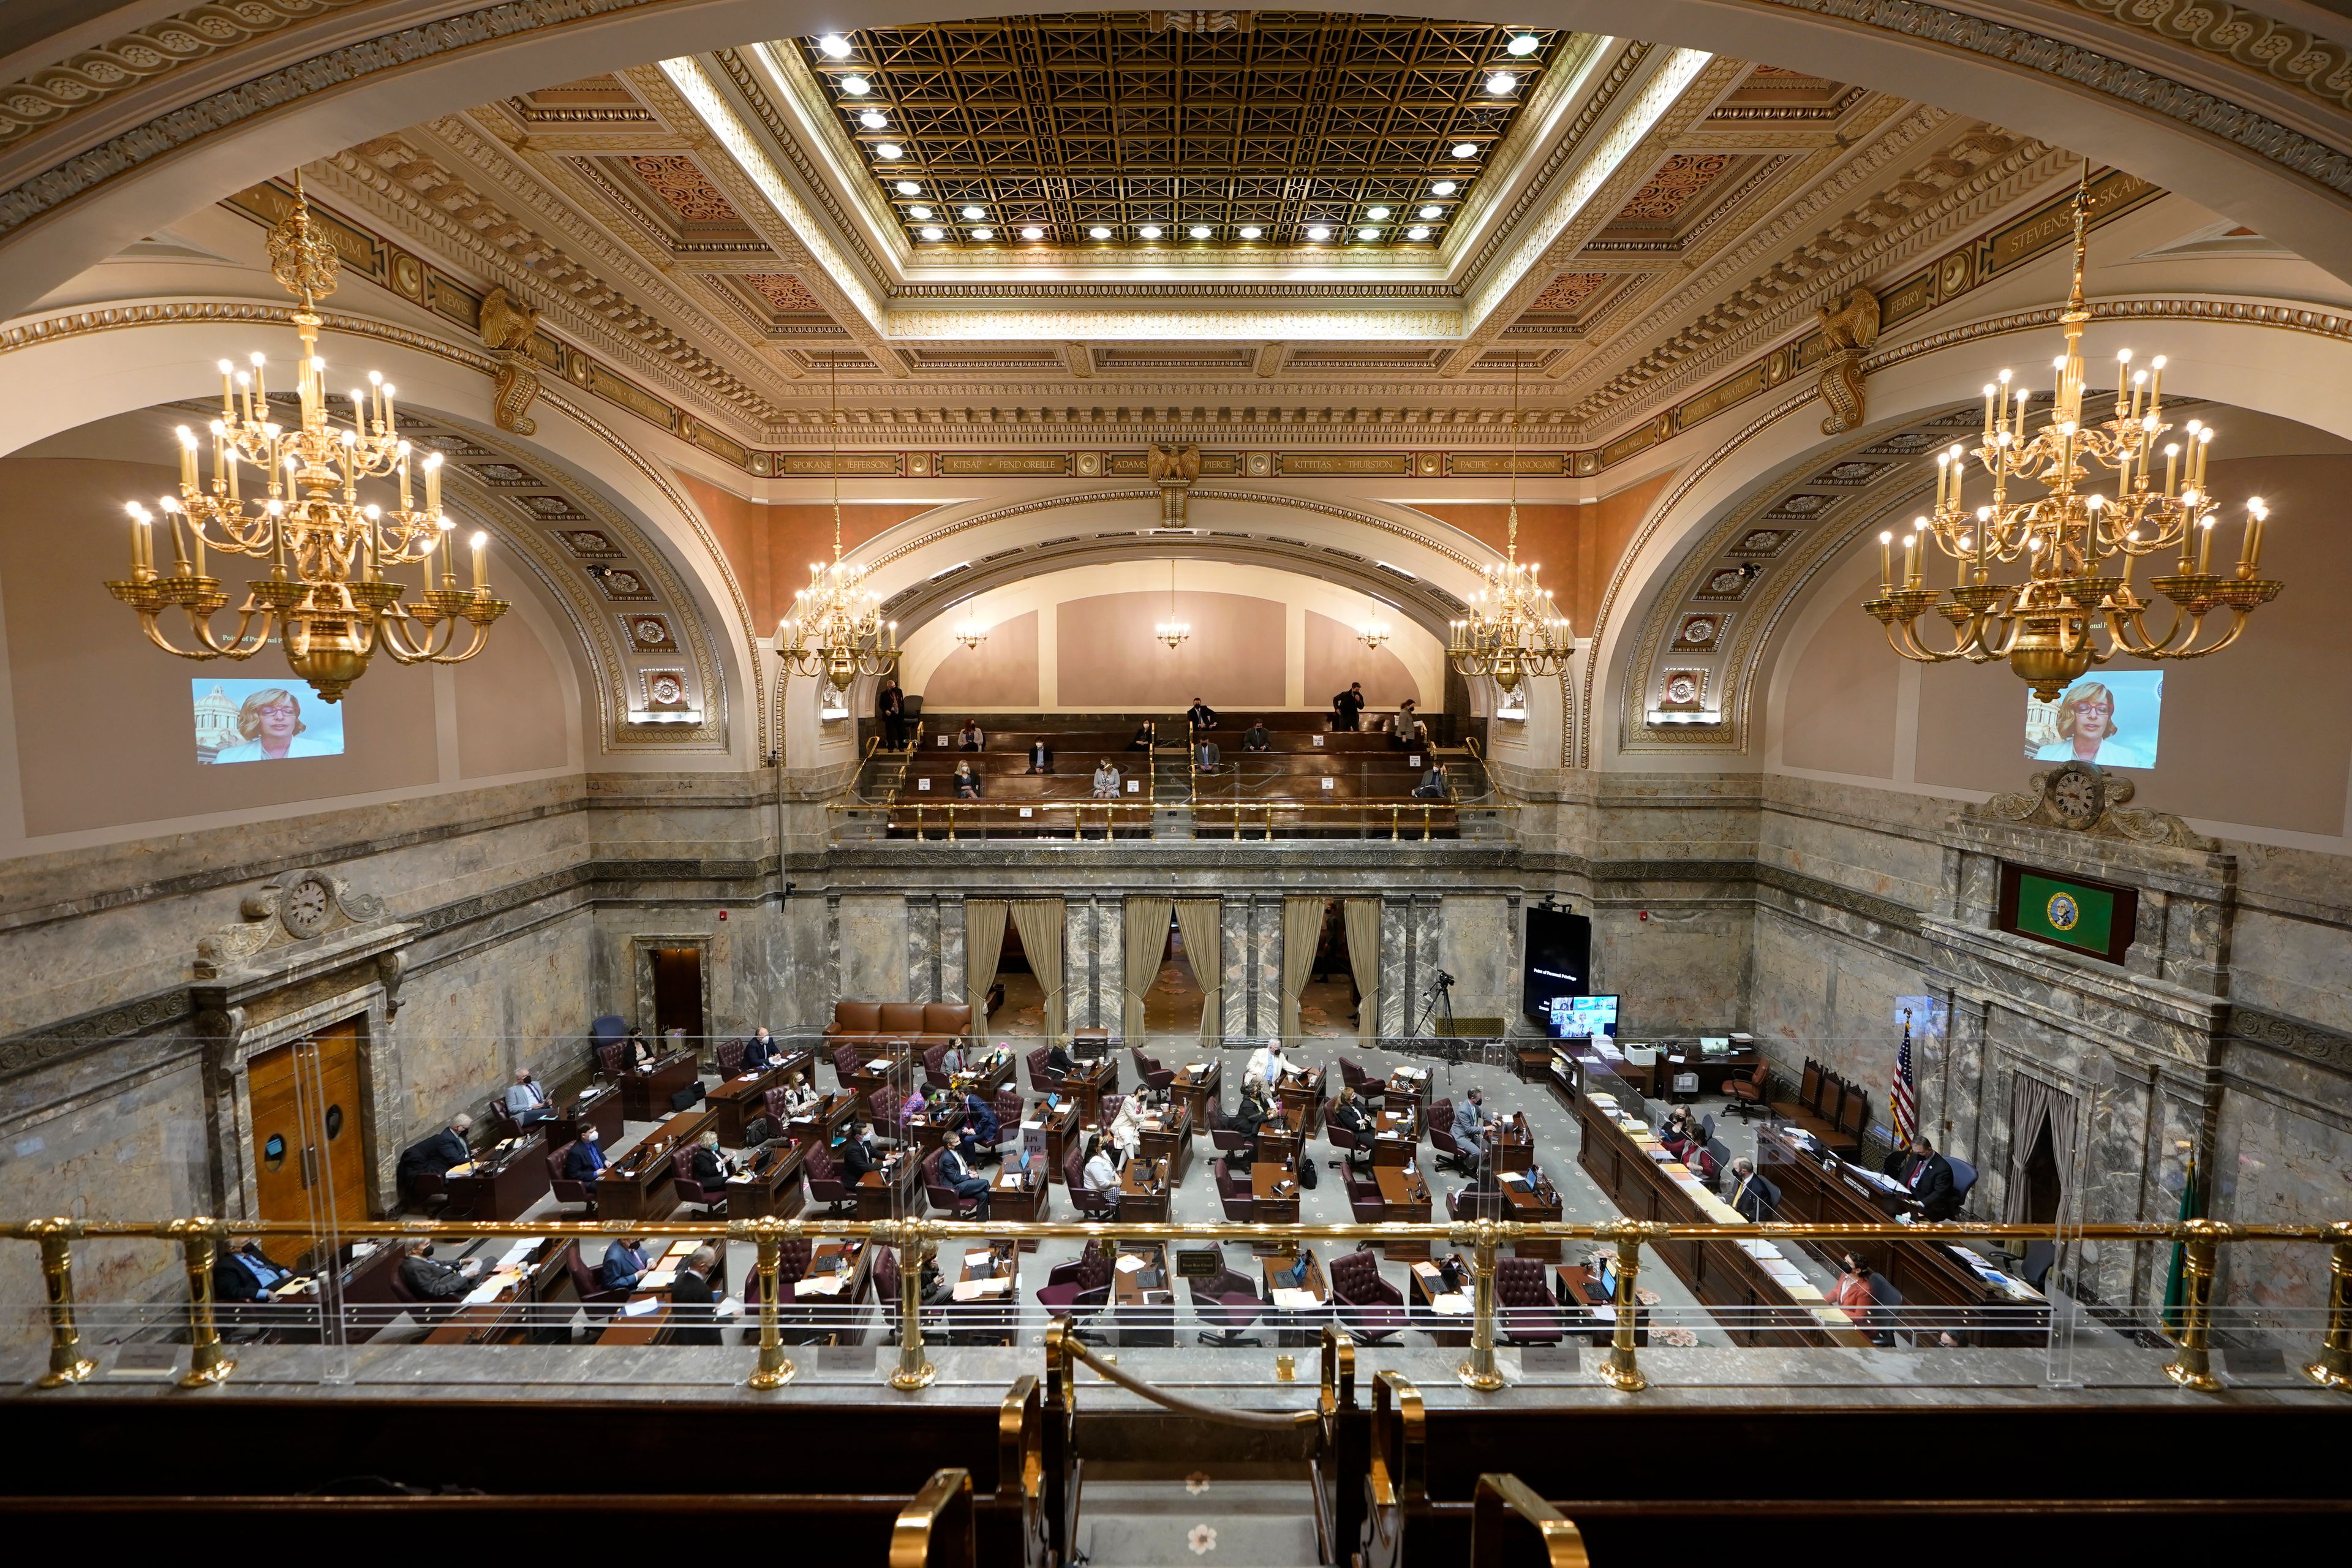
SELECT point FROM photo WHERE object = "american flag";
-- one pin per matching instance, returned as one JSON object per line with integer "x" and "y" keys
{"x": 1904, "y": 1096}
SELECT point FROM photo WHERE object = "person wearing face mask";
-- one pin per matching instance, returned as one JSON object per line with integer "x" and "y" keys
{"x": 585, "y": 1161}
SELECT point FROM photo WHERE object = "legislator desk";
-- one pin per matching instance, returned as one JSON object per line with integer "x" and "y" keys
{"x": 1019, "y": 1194}
{"x": 497, "y": 1310}
{"x": 1199, "y": 1088}
{"x": 1656, "y": 1079}
{"x": 985, "y": 1076}
{"x": 1592, "y": 1311}
{"x": 1533, "y": 1200}
{"x": 894, "y": 1192}
{"x": 1942, "y": 1289}
{"x": 984, "y": 1306}
{"x": 824, "y": 1122}
{"x": 645, "y": 1091}
{"x": 1446, "y": 1316}
{"x": 600, "y": 1108}
{"x": 1408, "y": 1089}
{"x": 1274, "y": 1189}
{"x": 895, "y": 1065}
{"x": 648, "y": 1319}
{"x": 1303, "y": 1092}
{"x": 1279, "y": 1136}
{"x": 1396, "y": 1138}
{"x": 1060, "y": 1115}
{"x": 638, "y": 1185}
{"x": 770, "y": 1189}
{"x": 1297, "y": 1312}
{"x": 1142, "y": 1296}
{"x": 1405, "y": 1200}
{"x": 1772, "y": 1302}
{"x": 1087, "y": 1083}
{"x": 1167, "y": 1135}
{"x": 740, "y": 1100}
{"x": 502, "y": 1182}
{"x": 929, "y": 1133}
{"x": 1143, "y": 1193}
{"x": 1512, "y": 1144}
{"x": 824, "y": 1301}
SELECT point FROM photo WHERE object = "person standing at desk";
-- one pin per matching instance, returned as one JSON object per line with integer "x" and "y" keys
{"x": 982, "y": 1138}
{"x": 527, "y": 1102}
{"x": 691, "y": 1301}
{"x": 1749, "y": 1193}
{"x": 624, "y": 1265}
{"x": 1269, "y": 1066}
{"x": 243, "y": 1274}
{"x": 430, "y": 1281}
{"x": 434, "y": 1157}
{"x": 891, "y": 707}
{"x": 956, "y": 1173}
{"x": 584, "y": 1162}
{"x": 761, "y": 1051}
{"x": 1099, "y": 1173}
{"x": 1348, "y": 708}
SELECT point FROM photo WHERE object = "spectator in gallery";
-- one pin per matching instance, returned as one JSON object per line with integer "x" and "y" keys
{"x": 1348, "y": 708}
{"x": 1041, "y": 756}
{"x": 1433, "y": 785}
{"x": 1407, "y": 726}
{"x": 1200, "y": 715}
{"x": 966, "y": 782}
{"x": 1145, "y": 737}
{"x": 971, "y": 738}
{"x": 1106, "y": 781}
{"x": 271, "y": 729}
{"x": 1257, "y": 738}
{"x": 890, "y": 708}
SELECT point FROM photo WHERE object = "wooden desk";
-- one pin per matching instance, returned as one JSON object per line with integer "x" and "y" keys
{"x": 984, "y": 1078}
{"x": 737, "y": 1102}
{"x": 1532, "y": 1203}
{"x": 506, "y": 1317}
{"x": 1300, "y": 1325}
{"x": 899, "y": 1068}
{"x": 1143, "y": 1315}
{"x": 1587, "y": 1319}
{"x": 930, "y": 1133}
{"x": 1279, "y": 1136}
{"x": 894, "y": 1194}
{"x": 1513, "y": 1146}
{"x": 1403, "y": 1199}
{"x": 812, "y": 1307}
{"x": 1534, "y": 1061}
{"x": 1014, "y": 1195}
{"x": 601, "y": 1110}
{"x": 1277, "y": 1204}
{"x": 772, "y": 1194}
{"x": 503, "y": 1189}
{"x": 638, "y": 1185}
{"x": 1303, "y": 1092}
{"x": 1394, "y": 1138}
{"x": 1720, "y": 1273}
{"x": 1953, "y": 1297}
{"x": 1088, "y": 1083}
{"x": 646, "y": 1094}
{"x": 1201, "y": 1093}
{"x": 1061, "y": 1120}
{"x": 1408, "y": 1087}
{"x": 648, "y": 1328}
{"x": 1657, "y": 1079}
{"x": 1142, "y": 1196}
{"x": 1425, "y": 1286}
{"x": 1170, "y": 1140}
{"x": 822, "y": 1124}
{"x": 985, "y": 1309}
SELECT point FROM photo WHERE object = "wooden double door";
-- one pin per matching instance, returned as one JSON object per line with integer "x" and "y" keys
{"x": 310, "y": 1159}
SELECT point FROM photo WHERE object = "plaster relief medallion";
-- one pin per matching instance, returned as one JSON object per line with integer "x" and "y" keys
{"x": 918, "y": 465}
{"x": 1086, "y": 465}
{"x": 652, "y": 634}
{"x": 1954, "y": 273}
{"x": 1851, "y": 473}
{"x": 1699, "y": 634}
{"x": 1763, "y": 542}
{"x": 589, "y": 544}
{"x": 507, "y": 474}
{"x": 554, "y": 507}
{"x": 1725, "y": 583}
{"x": 1903, "y": 444}
{"x": 407, "y": 276}
{"x": 622, "y": 582}
{"x": 304, "y": 907}
{"x": 665, "y": 689}
{"x": 1803, "y": 505}
{"x": 1682, "y": 690}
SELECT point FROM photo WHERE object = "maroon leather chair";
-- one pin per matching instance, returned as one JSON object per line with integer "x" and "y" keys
{"x": 613, "y": 1057}
{"x": 945, "y": 1198}
{"x": 1527, "y": 1314}
{"x": 1364, "y": 1200}
{"x": 1347, "y": 1142}
{"x": 730, "y": 1058}
{"x": 791, "y": 1267}
{"x": 1149, "y": 1072}
{"x": 600, "y": 1300}
{"x": 712, "y": 1200}
{"x": 1226, "y": 1301}
{"x": 1450, "y": 1153}
{"x": 1085, "y": 1199}
{"x": 1371, "y": 1307}
{"x": 1080, "y": 1288}
{"x": 1369, "y": 1089}
{"x": 1464, "y": 1205}
{"x": 846, "y": 1062}
{"x": 935, "y": 1074}
{"x": 1240, "y": 1203}
{"x": 1043, "y": 1079}
{"x": 822, "y": 1174}
{"x": 1008, "y": 1109}
{"x": 564, "y": 1189}
{"x": 884, "y": 1104}
{"x": 778, "y": 1111}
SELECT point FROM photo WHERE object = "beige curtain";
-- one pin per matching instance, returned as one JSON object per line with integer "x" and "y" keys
{"x": 1302, "y": 927}
{"x": 1039, "y": 921}
{"x": 1363, "y": 920}
{"x": 1200, "y": 921}
{"x": 983, "y": 946}
{"x": 1147, "y": 939}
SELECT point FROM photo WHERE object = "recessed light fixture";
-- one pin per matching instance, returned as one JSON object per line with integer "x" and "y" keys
{"x": 920, "y": 214}
{"x": 1318, "y": 233}
{"x": 1099, "y": 232}
{"x": 1502, "y": 83}
{"x": 855, "y": 86}
{"x": 1418, "y": 231}
{"x": 1443, "y": 188}
{"x": 1465, "y": 149}
{"x": 1368, "y": 232}
{"x": 909, "y": 188}
{"x": 1376, "y": 213}
{"x": 973, "y": 214}
{"x": 1201, "y": 231}
{"x": 1523, "y": 45}
{"x": 1251, "y": 231}
{"x": 1432, "y": 210}
{"x": 1032, "y": 232}
{"x": 874, "y": 120}
{"x": 934, "y": 234}
{"x": 1150, "y": 231}
{"x": 888, "y": 150}
{"x": 983, "y": 234}
{"x": 834, "y": 46}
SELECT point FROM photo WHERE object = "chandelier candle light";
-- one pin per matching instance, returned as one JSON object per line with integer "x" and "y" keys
{"x": 843, "y": 615}
{"x": 2077, "y": 545}
{"x": 1514, "y": 628}
{"x": 326, "y": 600}
{"x": 1172, "y": 631}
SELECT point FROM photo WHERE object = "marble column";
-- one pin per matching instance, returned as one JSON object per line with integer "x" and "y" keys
{"x": 1396, "y": 966}
{"x": 952, "y": 949}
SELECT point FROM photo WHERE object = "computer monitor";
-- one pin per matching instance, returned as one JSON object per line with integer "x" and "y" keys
{"x": 1608, "y": 1278}
{"x": 1578, "y": 1017}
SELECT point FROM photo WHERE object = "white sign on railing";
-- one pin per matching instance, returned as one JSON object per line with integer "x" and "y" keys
{"x": 1327, "y": 784}
{"x": 923, "y": 785}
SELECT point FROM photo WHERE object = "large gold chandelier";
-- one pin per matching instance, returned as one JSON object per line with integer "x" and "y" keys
{"x": 1514, "y": 629}
{"x": 2077, "y": 545}
{"x": 326, "y": 600}
{"x": 836, "y": 609}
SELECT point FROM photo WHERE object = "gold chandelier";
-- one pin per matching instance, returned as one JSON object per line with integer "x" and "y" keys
{"x": 326, "y": 599}
{"x": 1172, "y": 631}
{"x": 836, "y": 609}
{"x": 1373, "y": 632}
{"x": 1514, "y": 628}
{"x": 2077, "y": 545}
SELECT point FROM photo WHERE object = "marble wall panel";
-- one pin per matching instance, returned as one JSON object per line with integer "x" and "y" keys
{"x": 872, "y": 962}
{"x": 1479, "y": 944}
{"x": 1683, "y": 971}
{"x": 466, "y": 1026}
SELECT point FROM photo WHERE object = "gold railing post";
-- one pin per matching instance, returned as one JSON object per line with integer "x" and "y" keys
{"x": 951, "y": 824}
{"x": 915, "y": 1369}
{"x": 1392, "y": 825}
{"x": 2192, "y": 1365}
{"x": 67, "y": 1363}
{"x": 2334, "y": 1367}
{"x": 1480, "y": 1372}
{"x": 1424, "y": 824}
{"x": 208, "y": 1364}
{"x": 919, "y": 822}
{"x": 775, "y": 1369}
{"x": 1623, "y": 1372}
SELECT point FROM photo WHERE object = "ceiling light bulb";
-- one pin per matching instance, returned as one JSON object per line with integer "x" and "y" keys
{"x": 934, "y": 234}
{"x": 834, "y": 46}
{"x": 874, "y": 120}
{"x": 1501, "y": 83}
{"x": 1318, "y": 233}
{"x": 1032, "y": 232}
{"x": 1251, "y": 231}
{"x": 909, "y": 188}
{"x": 1443, "y": 188}
{"x": 1523, "y": 45}
{"x": 1432, "y": 210}
{"x": 983, "y": 234}
{"x": 1201, "y": 231}
{"x": 973, "y": 214}
{"x": 1368, "y": 232}
{"x": 1376, "y": 211}
{"x": 921, "y": 214}
{"x": 1150, "y": 231}
{"x": 1465, "y": 149}
{"x": 1418, "y": 231}
{"x": 855, "y": 86}
{"x": 890, "y": 149}
{"x": 1099, "y": 232}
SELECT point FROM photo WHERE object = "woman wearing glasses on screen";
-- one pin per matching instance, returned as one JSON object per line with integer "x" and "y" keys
{"x": 2087, "y": 731}
{"x": 270, "y": 724}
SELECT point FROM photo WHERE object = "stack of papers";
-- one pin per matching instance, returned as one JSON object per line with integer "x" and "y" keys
{"x": 880, "y": 1064}
{"x": 1130, "y": 1264}
{"x": 465, "y": 1170}
{"x": 1762, "y": 1250}
{"x": 974, "y": 1289}
{"x": 1286, "y": 1299}
{"x": 658, "y": 1279}
{"x": 517, "y": 1254}
{"x": 820, "y": 1285}
{"x": 641, "y": 1307}
{"x": 1451, "y": 1304}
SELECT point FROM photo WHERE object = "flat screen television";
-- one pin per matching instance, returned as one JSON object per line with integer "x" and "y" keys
{"x": 1559, "y": 960}
{"x": 1575, "y": 1017}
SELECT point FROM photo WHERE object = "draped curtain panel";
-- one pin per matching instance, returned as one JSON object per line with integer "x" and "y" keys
{"x": 1039, "y": 921}
{"x": 1147, "y": 939}
{"x": 2030, "y": 1101}
{"x": 983, "y": 945}
{"x": 1302, "y": 927}
{"x": 1363, "y": 922}
{"x": 1201, "y": 922}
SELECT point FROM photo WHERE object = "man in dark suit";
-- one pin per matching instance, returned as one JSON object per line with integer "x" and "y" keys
{"x": 1928, "y": 1178}
{"x": 624, "y": 1265}
{"x": 243, "y": 1274}
{"x": 1348, "y": 708}
{"x": 691, "y": 1300}
{"x": 430, "y": 1281}
{"x": 1749, "y": 1193}
{"x": 858, "y": 1155}
{"x": 1041, "y": 757}
{"x": 434, "y": 1157}
{"x": 956, "y": 1171}
{"x": 585, "y": 1161}
{"x": 761, "y": 1052}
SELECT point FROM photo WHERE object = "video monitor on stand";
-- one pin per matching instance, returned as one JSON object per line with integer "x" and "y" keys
{"x": 1583, "y": 1017}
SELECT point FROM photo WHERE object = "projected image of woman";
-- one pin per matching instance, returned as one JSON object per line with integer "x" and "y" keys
{"x": 271, "y": 729}
{"x": 2087, "y": 731}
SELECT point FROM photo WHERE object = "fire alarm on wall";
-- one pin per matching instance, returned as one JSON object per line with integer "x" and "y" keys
{"x": 1646, "y": 915}
{"x": 722, "y": 915}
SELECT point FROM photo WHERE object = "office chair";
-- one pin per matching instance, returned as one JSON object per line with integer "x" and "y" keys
{"x": 1227, "y": 1301}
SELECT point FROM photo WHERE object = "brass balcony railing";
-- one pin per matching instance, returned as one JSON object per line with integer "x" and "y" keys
{"x": 914, "y": 1239}
{"x": 1403, "y": 819}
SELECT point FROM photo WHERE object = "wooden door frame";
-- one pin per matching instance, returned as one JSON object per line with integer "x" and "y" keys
{"x": 641, "y": 972}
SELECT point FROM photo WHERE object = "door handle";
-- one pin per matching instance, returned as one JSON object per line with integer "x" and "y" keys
{"x": 310, "y": 1166}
